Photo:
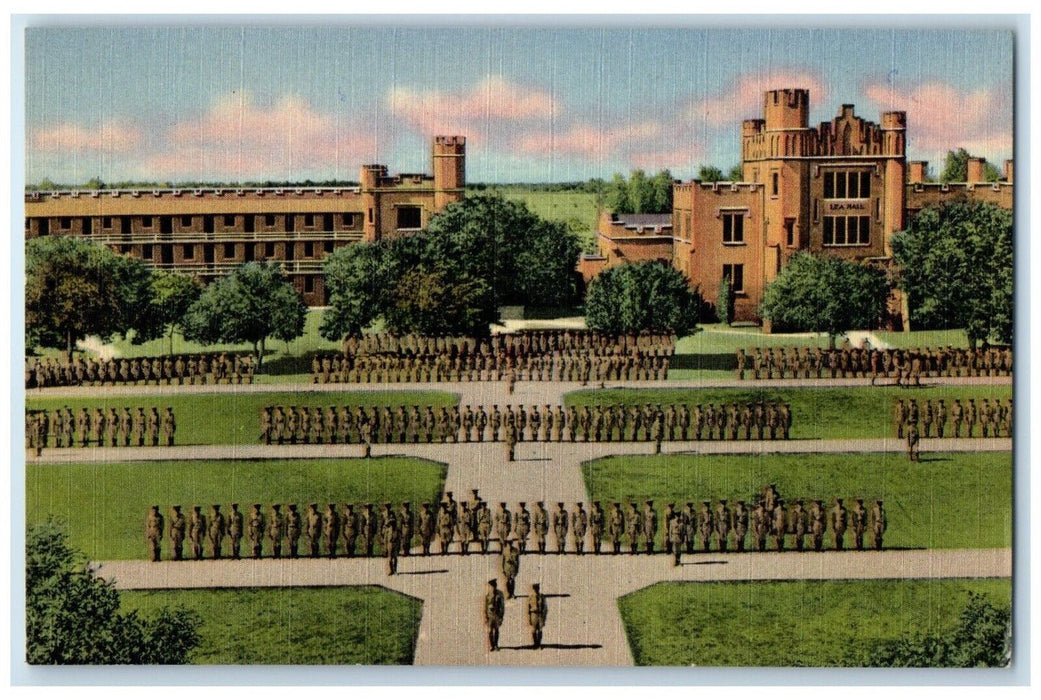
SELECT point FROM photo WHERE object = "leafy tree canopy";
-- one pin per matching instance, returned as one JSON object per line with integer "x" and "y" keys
{"x": 956, "y": 168}
{"x": 825, "y": 294}
{"x": 75, "y": 288}
{"x": 640, "y": 194}
{"x": 956, "y": 269}
{"x": 173, "y": 293}
{"x": 641, "y": 296}
{"x": 72, "y": 617}
{"x": 252, "y": 303}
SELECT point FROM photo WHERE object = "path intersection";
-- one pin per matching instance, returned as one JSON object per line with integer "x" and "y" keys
{"x": 584, "y": 627}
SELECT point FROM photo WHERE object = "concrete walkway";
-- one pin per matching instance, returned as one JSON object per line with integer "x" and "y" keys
{"x": 584, "y": 626}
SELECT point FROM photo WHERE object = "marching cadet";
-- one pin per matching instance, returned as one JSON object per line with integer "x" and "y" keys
{"x": 293, "y": 530}
{"x": 177, "y": 529}
{"x": 706, "y": 525}
{"x": 314, "y": 530}
{"x": 255, "y": 531}
{"x": 503, "y": 525}
{"x": 784, "y": 417}
{"x": 818, "y": 524}
{"x": 596, "y": 526}
{"x": 509, "y": 564}
{"x": 510, "y": 432}
{"x": 858, "y": 519}
{"x": 537, "y": 613}
{"x": 406, "y": 526}
{"x": 878, "y": 524}
{"x": 235, "y": 530}
{"x": 218, "y": 528}
{"x": 540, "y": 526}
{"x": 558, "y": 423}
{"x": 670, "y": 514}
{"x": 579, "y": 525}
{"x": 560, "y": 527}
{"x": 987, "y": 419}
{"x": 276, "y": 530}
{"x": 154, "y": 532}
{"x": 196, "y": 531}
{"x": 683, "y": 421}
{"x": 839, "y": 518}
{"x": 912, "y": 442}
{"x": 760, "y": 526}
{"x": 798, "y": 524}
{"x": 427, "y": 527}
{"x": 522, "y": 526}
{"x": 83, "y": 426}
{"x": 494, "y": 611}
{"x": 650, "y": 526}
{"x": 348, "y": 524}
{"x": 445, "y": 528}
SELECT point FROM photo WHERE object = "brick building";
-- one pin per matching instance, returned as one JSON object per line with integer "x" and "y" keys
{"x": 841, "y": 188}
{"x": 209, "y": 231}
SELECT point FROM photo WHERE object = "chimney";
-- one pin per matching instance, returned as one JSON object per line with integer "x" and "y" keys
{"x": 916, "y": 170}
{"x": 1008, "y": 171}
{"x": 974, "y": 170}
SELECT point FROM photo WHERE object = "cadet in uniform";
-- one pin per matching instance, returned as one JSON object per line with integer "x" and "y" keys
{"x": 503, "y": 525}
{"x": 579, "y": 524}
{"x": 878, "y": 524}
{"x": 406, "y": 526}
{"x": 818, "y": 524}
{"x": 537, "y": 613}
{"x": 367, "y": 529}
{"x": 839, "y": 518}
{"x": 706, "y": 526}
{"x": 154, "y": 532}
{"x": 217, "y": 531}
{"x": 255, "y": 531}
{"x": 445, "y": 528}
{"x": 196, "y": 531}
{"x": 858, "y": 519}
{"x": 509, "y": 563}
{"x": 798, "y": 525}
{"x": 276, "y": 530}
{"x": 724, "y": 521}
{"x": 177, "y": 529}
{"x": 494, "y": 610}
{"x": 560, "y": 527}
{"x": 740, "y": 519}
{"x": 779, "y": 524}
{"x": 293, "y": 530}
{"x": 540, "y": 526}
{"x": 511, "y": 440}
{"x": 912, "y": 442}
{"x": 616, "y": 527}
{"x": 675, "y": 534}
{"x": 596, "y": 526}
{"x": 235, "y": 530}
{"x": 314, "y": 530}
{"x": 522, "y": 526}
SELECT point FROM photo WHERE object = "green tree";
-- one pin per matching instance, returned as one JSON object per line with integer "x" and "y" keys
{"x": 357, "y": 278}
{"x": 956, "y": 168}
{"x": 641, "y": 296}
{"x": 173, "y": 293}
{"x": 640, "y": 194}
{"x": 725, "y": 305}
{"x": 252, "y": 303}
{"x": 736, "y": 173}
{"x": 956, "y": 268}
{"x": 430, "y": 303}
{"x": 982, "y": 638}
{"x": 710, "y": 173}
{"x": 617, "y": 195}
{"x": 74, "y": 288}
{"x": 825, "y": 294}
{"x": 72, "y": 617}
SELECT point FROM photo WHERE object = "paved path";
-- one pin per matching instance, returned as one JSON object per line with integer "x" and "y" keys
{"x": 584, "y": 626}
{"x": 489, "y": 393}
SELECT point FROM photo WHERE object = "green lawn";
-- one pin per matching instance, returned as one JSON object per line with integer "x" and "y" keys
{"x": 576, "y": 209}
{"x": 104, "y": 505}
{"x": 789, "y": 623}
{"x": 710, "y": 353}
{"x": 956, "y": 338}
{"x": 335, "y": 625}
{"x": 826, "y": 412}
{"x": 955, "y": 500}
{"x": 234, "y": 419}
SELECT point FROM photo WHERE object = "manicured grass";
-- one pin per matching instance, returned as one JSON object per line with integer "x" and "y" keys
{"x": 234, "y": 419}
{"x": 790, "y": 623}
{"x": 710, "y": 353}
{"x": 576, "y": 209}
{"x": 104, "y": 505}
{"x": 335, "y": 625}
{"x": 954, "y": 500}
{"x": 818, "y": 413}
{"x": 956, "y": 338}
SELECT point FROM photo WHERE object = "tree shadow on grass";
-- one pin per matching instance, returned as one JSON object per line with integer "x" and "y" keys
{"x": 704, "y": 361}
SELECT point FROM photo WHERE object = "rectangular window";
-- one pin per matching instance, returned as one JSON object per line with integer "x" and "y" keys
{"x": 65, "y": 223}
{"x": 229, "y": 250}
{"x": 106, "y": 222}
{"x": 309, "y": 220}
{"x": 146, "y": 252}
{"x": 328, "y": 247}
{"x": 308, "y": 250}
{"x": 789, "y": 231}
{"x": 736, "y": 273}
{"x": 409, "y": 218}
{"x": 847, "y": 230}
{"x": 774, "y": 183}
{"x": 842, "y": 184}
{"x": 348, "y": 221}
{"x": 269, "y": 219}
{"x": 188, "y": 252}
{"x": 186, "y": 222}
{"x": 733, "y": 228}
{"x": 146, "y": 222}
{"x": 370, "y": 215}
{"x": 309, "y": 285}
{"x": 269, "y": 250}
{"x": 229, "y": 220}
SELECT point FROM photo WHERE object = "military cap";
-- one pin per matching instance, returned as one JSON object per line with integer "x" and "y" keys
{"x": 780, "y": 501}
{"x": 690, "y": 503}
{"x": 561, "y": 504}
{"x": 740, "y": 502}
{"x": 234, "y": 506}
{"x": 596, "y": 503}
{"x": 256, "y": 505}
{"x": 315, "y": 505}
{"x": 723, "y": 501}
{"x": 535, "y": 586}
{"x": 540, "y": 503}
{"x": 650, "y": 503}
{"x": 474, "y": 491}
{"x": 817, "y": 500}
{"x": 522, "y": 504}
{"x": 426, "y": 504}
{"x": 155, "y": 507}
{"x": 448, "y": 494}
{"x": 879, "y": 501}
{"x": 838, "y": 500}
{"x": 799, "y": 501}
{"x": 860, "y": 500}
{"x": 491, "y": 582}
{"x": 216, "y": 507}
{"x": 177, "y": 508}
{"x": 406, "y": 504}
{"x": 706, "y": 503}
{"x": 502, "y": 504}
{"x": 277, "y": 506}
{"x": 671, "y": 505}
{"x": 196, "y": 508}
{"x": 387, "y": 504}
{"x": 292, "y": 506}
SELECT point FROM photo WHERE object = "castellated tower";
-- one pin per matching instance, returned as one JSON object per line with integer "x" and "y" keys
{"x": 894, "y": 145}
{"x": 449, "y": 155}
{"x": 371, "y": 177}
{"x": 786, "y": 109}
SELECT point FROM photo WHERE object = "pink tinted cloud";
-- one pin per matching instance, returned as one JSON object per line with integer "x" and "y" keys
{"x": 237, "y": 138}
{"x": 494, "y": 99}
{"x": 111, "y": 137}
{"x": 585, "y": 140}
{"x": 744, "y": 98}
{"x": 941, "y": 117}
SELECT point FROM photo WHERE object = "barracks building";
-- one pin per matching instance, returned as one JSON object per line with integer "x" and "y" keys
{"x": 209, "y": 231}
{"x": 842, "y": 188}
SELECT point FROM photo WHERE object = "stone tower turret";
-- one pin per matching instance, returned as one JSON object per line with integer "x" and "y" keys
{"x": 449, "y": 155}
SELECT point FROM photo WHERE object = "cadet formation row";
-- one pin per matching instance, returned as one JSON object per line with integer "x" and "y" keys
{"x": 396, "y": 531}
{"x": 906, "y": 366}
{"x": 557, "y": 367}
{"x": 528, "y": 343}
{"x": 205, "y": 368}
{"x": 929, "y": 417}
{"x": 386, "y": 424}
{"x": 111, "y": 427}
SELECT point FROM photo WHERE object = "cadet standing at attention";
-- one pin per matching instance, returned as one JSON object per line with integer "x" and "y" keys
{"x": 177, "y": 529}
{"x": 494, "y": 610}
{"x": 255, "y": 531}
{"x": 537, "y": 613}
{"x": 154, "y": 532}
{"x": 235, "y": 529}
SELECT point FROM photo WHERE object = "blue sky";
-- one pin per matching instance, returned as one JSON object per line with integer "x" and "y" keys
{"x": 537, "y": 104}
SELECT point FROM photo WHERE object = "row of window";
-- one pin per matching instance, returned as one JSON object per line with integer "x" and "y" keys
{"x": 847, "y": 184}
{"x": 408, "y": 218}
{"x": 188, "y": 250}
{"x": 847, "y": 230}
